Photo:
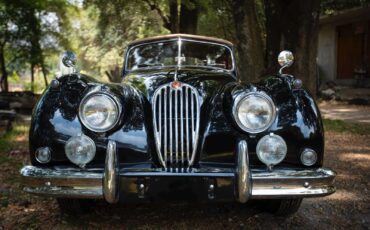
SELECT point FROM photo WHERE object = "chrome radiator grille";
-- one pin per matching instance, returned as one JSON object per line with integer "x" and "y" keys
{"x": 176, "y": 113}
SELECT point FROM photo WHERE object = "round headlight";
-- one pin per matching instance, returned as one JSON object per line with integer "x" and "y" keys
{"x": 99, "y": 112}
{"x": 308, "y": 157}
{"x": 271, "y": 149}
{"x": 80, "y": 150}
{"x": 254, "y": 112}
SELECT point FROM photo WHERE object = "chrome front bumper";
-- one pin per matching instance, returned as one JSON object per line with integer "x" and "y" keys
{"x": 248, "y": 183}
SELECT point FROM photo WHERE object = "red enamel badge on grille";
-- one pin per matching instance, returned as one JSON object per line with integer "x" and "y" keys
{"x": 176, "y": 84}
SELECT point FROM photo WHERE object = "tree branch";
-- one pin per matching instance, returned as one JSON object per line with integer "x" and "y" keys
{"x": 166, "y": 20}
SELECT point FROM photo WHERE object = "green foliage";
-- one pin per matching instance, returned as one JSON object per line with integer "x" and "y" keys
{"x": 35, "y": 33}
{"x": 101, "y": 32}
{"x": 217, "y": 20}
{"x": 331, "y": 6}
{"x": 31, "y": 32}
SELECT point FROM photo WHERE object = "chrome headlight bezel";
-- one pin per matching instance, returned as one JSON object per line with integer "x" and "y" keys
{"x": 112, "y": 99}
{"x": 240, "y": 98}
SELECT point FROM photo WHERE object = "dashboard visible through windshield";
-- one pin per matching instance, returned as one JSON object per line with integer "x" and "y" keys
{"x": 181, "y": 53}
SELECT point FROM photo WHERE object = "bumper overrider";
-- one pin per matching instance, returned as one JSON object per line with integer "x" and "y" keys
{"x": 114, "y": 183}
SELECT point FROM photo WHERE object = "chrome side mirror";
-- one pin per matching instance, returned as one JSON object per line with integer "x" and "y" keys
{"x": 67, "y": 64}
{"x": 285, "y": 59}
{"x": 69, "y": 59}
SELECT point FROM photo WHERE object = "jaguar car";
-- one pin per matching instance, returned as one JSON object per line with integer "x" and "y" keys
{"x": 181, "y": 126}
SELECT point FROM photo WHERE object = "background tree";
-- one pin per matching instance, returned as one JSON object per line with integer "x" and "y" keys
{"x": 294, "y": 25}
{"x": 249, "y": 43}
{"x": 34, "y": 33}
{"x": 28, "y": 32}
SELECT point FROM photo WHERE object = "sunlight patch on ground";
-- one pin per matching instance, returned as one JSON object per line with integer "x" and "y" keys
{"x": 344, "y": 195}
{"x": 355, "y": 156}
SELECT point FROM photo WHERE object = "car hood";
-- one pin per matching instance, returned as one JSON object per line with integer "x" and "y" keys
{"x": 208, "y": 83}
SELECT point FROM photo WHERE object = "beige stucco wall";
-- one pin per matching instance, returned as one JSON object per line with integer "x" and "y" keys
{"x": 326, "y": 58}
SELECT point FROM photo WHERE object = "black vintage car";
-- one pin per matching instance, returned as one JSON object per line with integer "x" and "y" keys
{"x": 179, "y": 127}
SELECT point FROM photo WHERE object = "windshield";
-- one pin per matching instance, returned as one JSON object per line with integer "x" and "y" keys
{"x": 192, "y": 53}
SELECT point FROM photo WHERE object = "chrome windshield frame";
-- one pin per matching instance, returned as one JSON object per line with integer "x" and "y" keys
{"x": 179, "y": 65}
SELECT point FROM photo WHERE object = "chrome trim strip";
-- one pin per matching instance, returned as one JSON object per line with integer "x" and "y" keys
{"x": 165, "y": 128}
{"x": 244, "y": 185}
{"x": 187, "y": 124}
{"x": 182, "y": 39}
{"x": 67, "y": 192}
{"x": 171, "y": 130}
{"x": 158, "y": 131}
{"x": 182, "y": 127}
{"x": 197, "y": 122}
{"x": 176, "y": 129}
{"x": 70, "y": 182}
{"x": 111, "y": 174}
{"x": 87, "y": 183}
{"x": 292, "y": 183}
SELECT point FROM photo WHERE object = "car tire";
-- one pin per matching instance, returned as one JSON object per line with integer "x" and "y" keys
{"x": 283, "y": 207}
{"x": 74, "y": 206}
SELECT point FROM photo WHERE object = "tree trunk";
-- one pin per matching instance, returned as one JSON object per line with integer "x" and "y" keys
{"x": 249, "y": 40}
{"x": 174, "y": 16}
{"x": 189, "y": 17}
{"x": 294, "y": 25}
{"x": 114, "y": 75}
{"x": 43, "y": 69}
{"x": 32, "y": 78}
{"x": 4, "y": 73}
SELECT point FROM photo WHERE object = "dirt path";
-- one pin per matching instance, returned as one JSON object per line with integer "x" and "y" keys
{"x": 351, "y": 113}
{"x": 348, "y": 208}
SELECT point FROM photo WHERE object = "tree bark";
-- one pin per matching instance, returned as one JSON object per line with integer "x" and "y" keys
{"x": 249, "y": 44}
{"x": 189, "y": 17}
{"x": 174, "y": 16}
{"x": 114, "y": 75}
{"x": 294, "y": 25}
{"x": 4, "y": 74}
{"x": 32, "y": 78}
{"x": 43, "y": 69}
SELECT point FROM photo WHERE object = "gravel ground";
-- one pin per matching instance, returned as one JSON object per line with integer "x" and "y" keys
{"x": 349, "y": 207}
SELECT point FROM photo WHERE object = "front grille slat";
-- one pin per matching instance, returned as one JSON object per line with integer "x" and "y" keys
{"x": 171, "y": 130}
{"x": 187, "y": 124}
{"x": 176, "y": 129}
{"x": 165, "y": 124}
{"x": 182, "y": 127}
{"x": 176, "y": 124}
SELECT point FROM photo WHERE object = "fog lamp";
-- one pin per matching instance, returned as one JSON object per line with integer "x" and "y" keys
{"x": 308, "y": 157}
{"x": 43, "y": 155}
{"x": 271, "y": 149}
{"x": 80, "y": 150}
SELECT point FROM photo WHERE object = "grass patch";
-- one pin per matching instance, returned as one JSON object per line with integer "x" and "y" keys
{"x": 15, "y": 139}
{"x": 343, "y": 126}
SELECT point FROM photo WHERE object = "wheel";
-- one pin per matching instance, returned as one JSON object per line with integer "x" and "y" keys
{"x": 74, "y": 206}
{"x": 283, "y": 207}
